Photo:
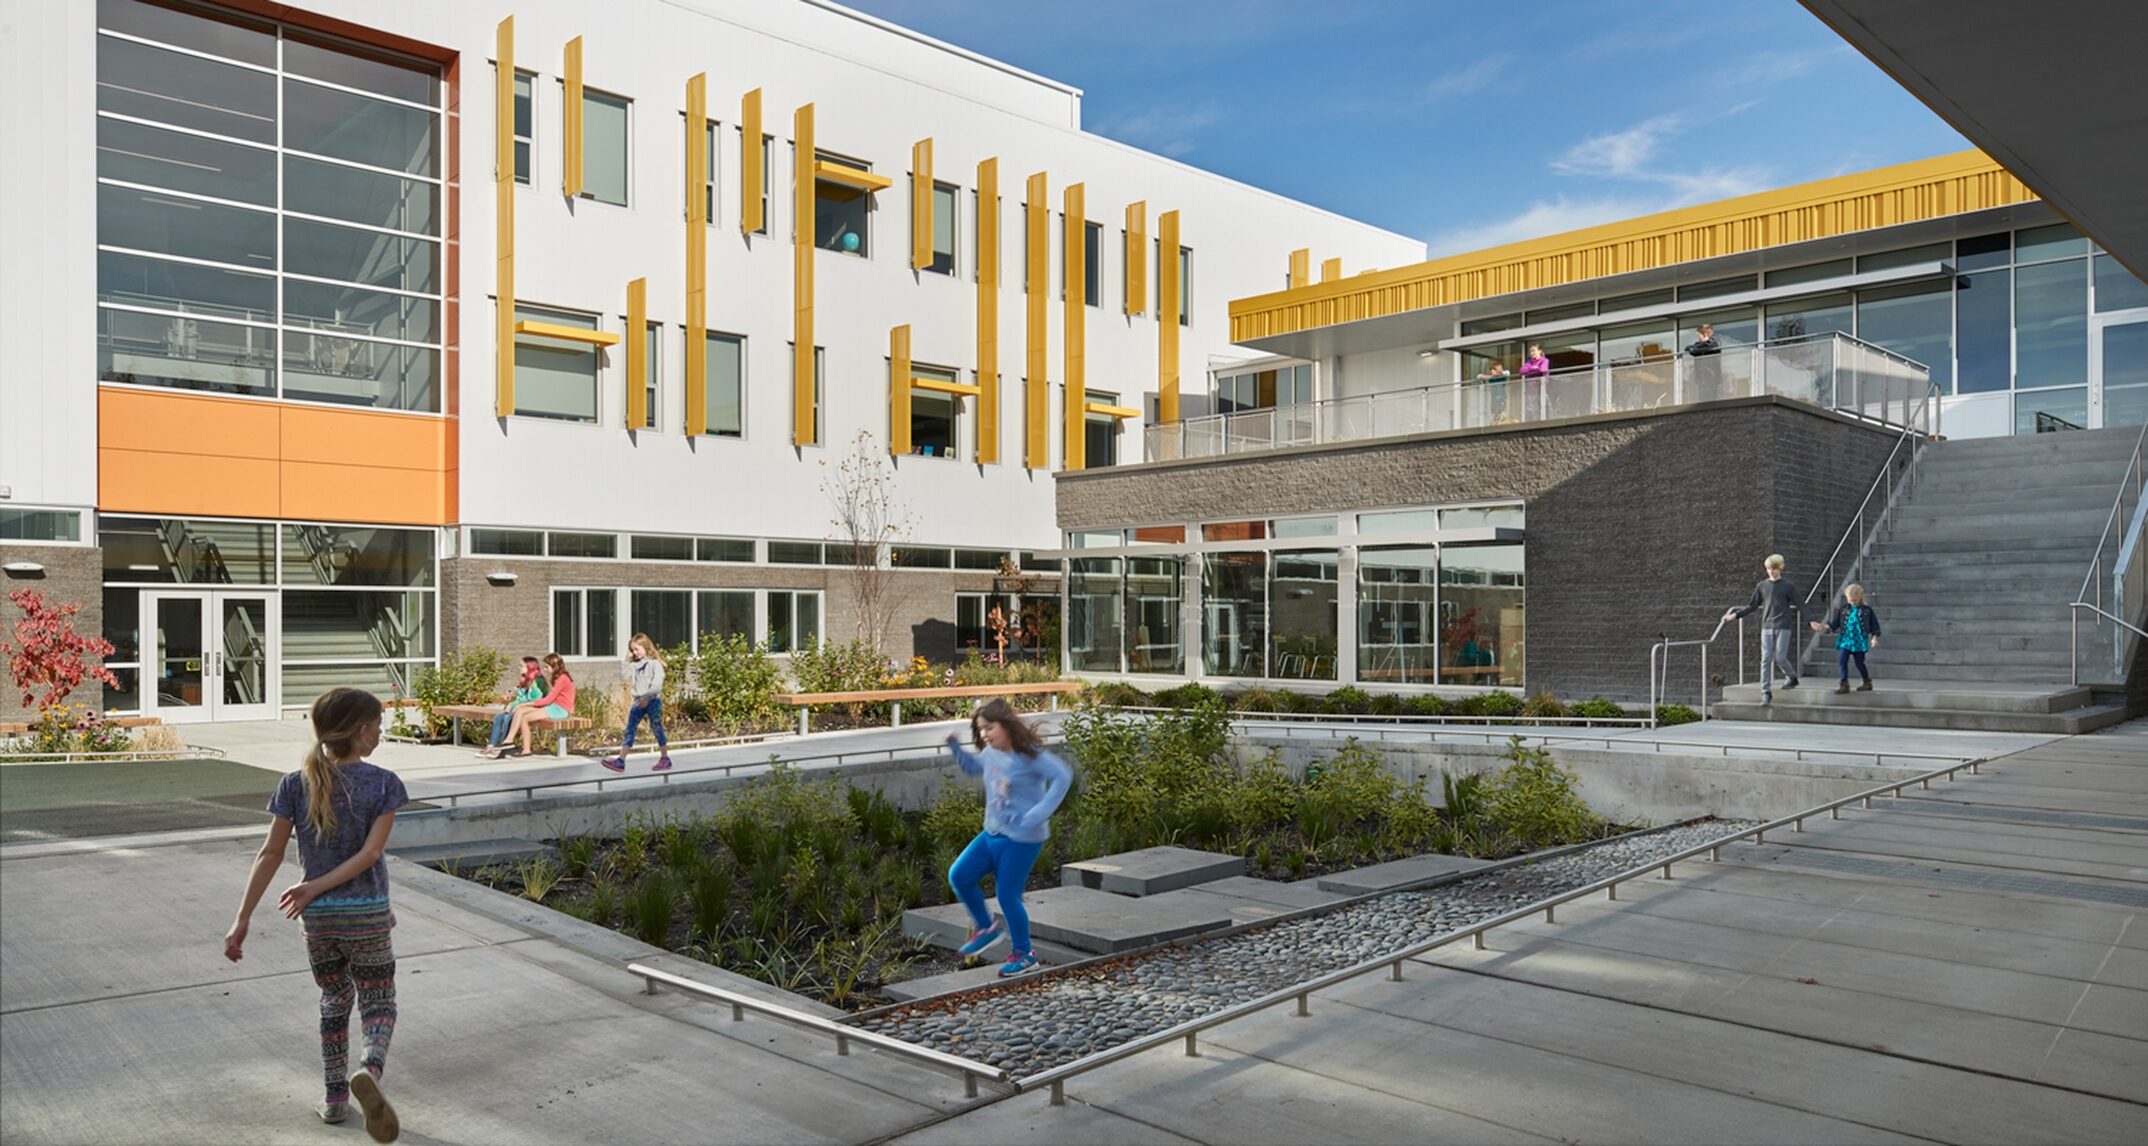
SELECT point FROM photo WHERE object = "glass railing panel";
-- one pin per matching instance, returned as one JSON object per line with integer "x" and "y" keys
{"x": 1296, "y": 425}
{"x": 1646, "y": 385}
{"x": 1398, "y": 412}
{"x": 1204, "y": 438}
{"x": 1251, "y": 430}
{"x": 1802, "y": 370}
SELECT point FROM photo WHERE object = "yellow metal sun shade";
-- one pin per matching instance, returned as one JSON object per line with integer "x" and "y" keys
{"x": 568, "y": 333}
{"x": 571, "y": 122}
{"x": 850, "y": 176}
{"x": 942, "y": 386}
{"x": 503, "y": 183}
{"x": 1107, "y": 410}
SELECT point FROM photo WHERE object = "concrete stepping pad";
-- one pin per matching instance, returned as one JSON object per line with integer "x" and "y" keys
{"x": 948, "y": 925}
{"x": 940, "y": 984}
{"x": 1080, "y": 922}
{"x": 1397, "y": 873}
{"x": 1151, "y": 871}
{"x": 1250, "y": 899}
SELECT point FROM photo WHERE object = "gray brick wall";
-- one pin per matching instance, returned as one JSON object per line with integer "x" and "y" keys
{"x": 1637, "y": 525}
{"x": 73, "y": 575}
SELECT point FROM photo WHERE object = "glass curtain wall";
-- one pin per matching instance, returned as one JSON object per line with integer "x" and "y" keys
{"x": 1095, "y": 608}
{"x": 1155, "y": 595}
{"x": 1303, "y": 594}
{"x": 1482, "y": 624}
{"x": 1234, "y": 604}
{"x": 1397, "y": 598}
{"x": 268, "y": 212}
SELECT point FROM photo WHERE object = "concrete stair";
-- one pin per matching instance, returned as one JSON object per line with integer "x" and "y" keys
{"x": 1986, "y": 707}
{"x": 1971, "y": 585}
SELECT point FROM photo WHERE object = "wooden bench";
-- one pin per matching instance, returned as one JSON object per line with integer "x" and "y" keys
{"x": 894, "y": 697}
{"x": 485, "y": 712}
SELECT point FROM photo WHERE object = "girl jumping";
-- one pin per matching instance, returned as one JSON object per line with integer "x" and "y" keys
{"x": 1023, "y": 786}
{"x": 644, "y": 672}
{"x": 341, "y": 809}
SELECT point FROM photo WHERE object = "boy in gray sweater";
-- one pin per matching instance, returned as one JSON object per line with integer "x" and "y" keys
{"x": 1780, "y": 606}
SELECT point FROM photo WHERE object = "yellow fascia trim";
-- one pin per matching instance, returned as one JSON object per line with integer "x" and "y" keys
{"x": 1038, "y": 259}
{"x": 850, "y": 176}
{"x": 567, "y": 333}
{"x": 1137, "y": 257}
{"x": 988, "y": 310}
{"x": 696, "y": 422}
{"x": 1107, "y": 410}
{"x": 942, "y": 386}
{"x": 921, "y": 204}
{"x": 503, "y": 240}
{"x": 571, "y": 152}
{"x": 802, "y": 280}
{"x": 637, "y": 354}
{"x": 1075, "y": 334}
{"x": 1301, "y": 267}
{"x": 899, "y": 383}
{"x": 1889, "y": 196}
{"x": 750, "y": 176}
{"x": 1167, "y": 317}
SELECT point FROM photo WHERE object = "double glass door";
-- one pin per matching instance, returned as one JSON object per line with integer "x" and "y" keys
{"x": 209, "y": 656}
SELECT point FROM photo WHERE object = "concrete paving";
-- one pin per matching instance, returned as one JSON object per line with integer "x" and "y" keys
{"x": 1397, "y": 873}
{"x": 1150, "y": 871}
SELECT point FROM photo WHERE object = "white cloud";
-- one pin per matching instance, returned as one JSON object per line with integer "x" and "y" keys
{"x": 1470, "y": 80}
{"x": 1538, "y": 220}
{"x": 1167, "y": 131}
{"x": 1775, "y": 67}
{"x": 1620, "y": 154}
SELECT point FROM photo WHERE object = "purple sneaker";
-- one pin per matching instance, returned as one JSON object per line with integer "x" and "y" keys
{"x": 663, "y": 764}
{"x": 613, "y": 763}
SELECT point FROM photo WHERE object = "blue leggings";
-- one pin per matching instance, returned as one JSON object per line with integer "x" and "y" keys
{"x": 654, "y": 706}
{"x": 1008, "y": 863}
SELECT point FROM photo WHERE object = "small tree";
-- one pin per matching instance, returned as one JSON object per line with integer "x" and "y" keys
{"x": 869, "y": 518}
{"x": 48, "y": 658}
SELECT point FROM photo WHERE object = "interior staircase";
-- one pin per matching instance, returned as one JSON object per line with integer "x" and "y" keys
{"x": 1971, "y": 583}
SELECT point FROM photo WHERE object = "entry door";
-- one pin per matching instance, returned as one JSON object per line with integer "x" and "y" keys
{"x": 2118, "y": 362}
{"x": 212, "y": 656}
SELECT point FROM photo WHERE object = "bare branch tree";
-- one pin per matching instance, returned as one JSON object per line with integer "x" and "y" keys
{"x": 869, "y": 518}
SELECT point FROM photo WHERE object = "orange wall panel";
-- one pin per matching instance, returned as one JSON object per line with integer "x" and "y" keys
{"x": 205, "y": 455}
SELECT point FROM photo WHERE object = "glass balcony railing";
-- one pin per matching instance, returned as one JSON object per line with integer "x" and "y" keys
{"x": 1833, "y": 371}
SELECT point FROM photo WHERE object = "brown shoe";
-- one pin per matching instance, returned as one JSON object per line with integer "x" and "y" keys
{"x": 1842, "y": 688}
{"x": 1865, "y": 687}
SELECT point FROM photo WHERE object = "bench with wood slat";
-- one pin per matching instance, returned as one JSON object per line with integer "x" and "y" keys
{"x": 894, "y": 697}
{"x": 485, "y": 712}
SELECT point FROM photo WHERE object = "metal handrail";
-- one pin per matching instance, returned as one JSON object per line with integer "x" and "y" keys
{"x": 1055, "y": 1078}
{"x": 969, "y": 1071}
{"x": 2092, "y": 578}
{"x": 2109, "y": 616}
{"x": 1659, "y": 667}
{"x": 1656, "y": 744}
{"x": 1399, "y": 718}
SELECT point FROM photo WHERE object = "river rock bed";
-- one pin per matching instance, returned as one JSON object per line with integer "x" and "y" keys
{"x": 1032, "y": 1024}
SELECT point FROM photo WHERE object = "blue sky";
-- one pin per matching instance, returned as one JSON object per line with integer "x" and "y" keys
{"x": 1465, "y": 124}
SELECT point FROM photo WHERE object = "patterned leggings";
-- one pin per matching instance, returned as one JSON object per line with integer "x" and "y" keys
{"x": 361, "y": 969}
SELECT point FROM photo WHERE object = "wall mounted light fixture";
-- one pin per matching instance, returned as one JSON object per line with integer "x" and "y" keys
{"x": 500, "y": 577}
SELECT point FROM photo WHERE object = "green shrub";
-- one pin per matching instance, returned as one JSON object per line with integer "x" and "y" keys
{"x": 1386, "y": 704}
{"x": 1296, "y": 702}
{"x": 472, "y": 676}
{"x": 1675, "y": 714}
{"x": 954, "y": 819}
{"x": 1543, "y": 704}
{"x": 1532, "y": 800}
{"x": 1115, "y": 694}
{"x": 1255, "y": 700}
{"x": 974, "y": 669}
{"x": 738, "y": 683}
{"x": 652, "y": 903}
{"x": 1597, "y": 708}
{"x": 709, "y": 896}
{"x": 1188, "y": 695}
{"x": 1347, "y": 699}
{"x": 1357, "y": 782}
{"x": 1429, "y": 705}
{"x": 678, "y": 661}
{"x": 852, "y": 666}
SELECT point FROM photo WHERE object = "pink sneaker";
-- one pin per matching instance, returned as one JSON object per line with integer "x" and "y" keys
{"x": 613, "y": 763}
{"x": 663, "y": 764}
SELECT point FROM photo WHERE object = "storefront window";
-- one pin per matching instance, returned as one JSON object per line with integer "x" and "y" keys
{"x": 1302, "y": 595}
{"x": 1915, "y": 320}
{"x": 1481, "y": 614}
{"x": 1154, "y": 594}
{"x": 1396, "y": 599}
{"x": 1984, "y": 329}
{"x": 1093, "y": 614}
{"x": 2051, "y": 324}
{"x": 1234, "y": 614}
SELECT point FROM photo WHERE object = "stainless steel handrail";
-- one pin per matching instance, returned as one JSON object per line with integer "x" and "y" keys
{"x": 1654, "y": 744}
{"x": 1055, "y": 1078}
{"x": 2092, "y": 579}
{"x": 969, "y": 1071}
{"x": 1402, "y": 718}
{"x": 1659, "y": 667}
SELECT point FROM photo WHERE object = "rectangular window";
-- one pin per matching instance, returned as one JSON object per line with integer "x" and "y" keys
{"x": 793, "y": 620}
{"x": 653, "y": 378}
{"x": 723, "y": 613}
{"x": 561, "y": 544}
{"x": 1983, "y": 331}
{"x": 353, "y": 555}
{"x": 1915, "y": 320}
{"x": 1562, "y": 313}
{"x": 2057, "y": 241}
{"x": 934, "y": 416}
{"x": 1095, "y": 615}
{"x": 794, "y": 553}
{"x": 40, "y": 525}
{"x": 767, "y": 162}
{"x": 2051, "y": 324}
{"x": 159, "y": 551}
{"x": 841, "y": 213}
{"x": 1185, "y": 286}
{"x": 2116, "y": 288}
{"x": 645, "y": 547}
{"x": 724, "y": 385}
{"x": 1713, "y": 288}
{"x": 605, "y": 160}
{"x": 1481, "y": 598}
{"x": 585, "y": 622}
{"x": 506, "y": 543}
{"x": 1397, "y": 611}
{"x": 986, "y": 560}
{"x": 1983, "y": 252}
{"x": 1492, "y": 325}
{"x": 1033, "y": 563}
{"x": 555, "y": 377}
{"x": 1155, "y": 592}
{"x": 921, "y": 557}
{"x": 1906, "y": 257}
{"x": 738, "y": 549}
{"x": 666, "y": 615}
{"x": 1092, "y": 263}
{"x": 1303, "y": 596}
{"x": 1809, "y": 273}
{"x": 525, "y": 125}
{"x": 707, "y": 183}
{"x": 1234, "y": 614}
{"x": 1100, "y": 433}
{"x": 943, "y": 228}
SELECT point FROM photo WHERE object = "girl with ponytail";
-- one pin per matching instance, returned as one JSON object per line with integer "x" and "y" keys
{"x": 341, "y": 809}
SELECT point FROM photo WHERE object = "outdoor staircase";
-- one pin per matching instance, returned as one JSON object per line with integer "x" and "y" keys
{"x": 1971, "y": 583}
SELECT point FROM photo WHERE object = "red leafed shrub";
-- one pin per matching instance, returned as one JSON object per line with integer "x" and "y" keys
{"x": 48, "y": 658}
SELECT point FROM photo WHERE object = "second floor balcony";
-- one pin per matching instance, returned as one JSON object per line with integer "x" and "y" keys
{"x": 1833, "y": 371}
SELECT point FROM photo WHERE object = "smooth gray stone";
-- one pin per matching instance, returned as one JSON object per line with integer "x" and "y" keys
{"x": 1151, "y": 871}
{"x": 1396, "y": 873}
